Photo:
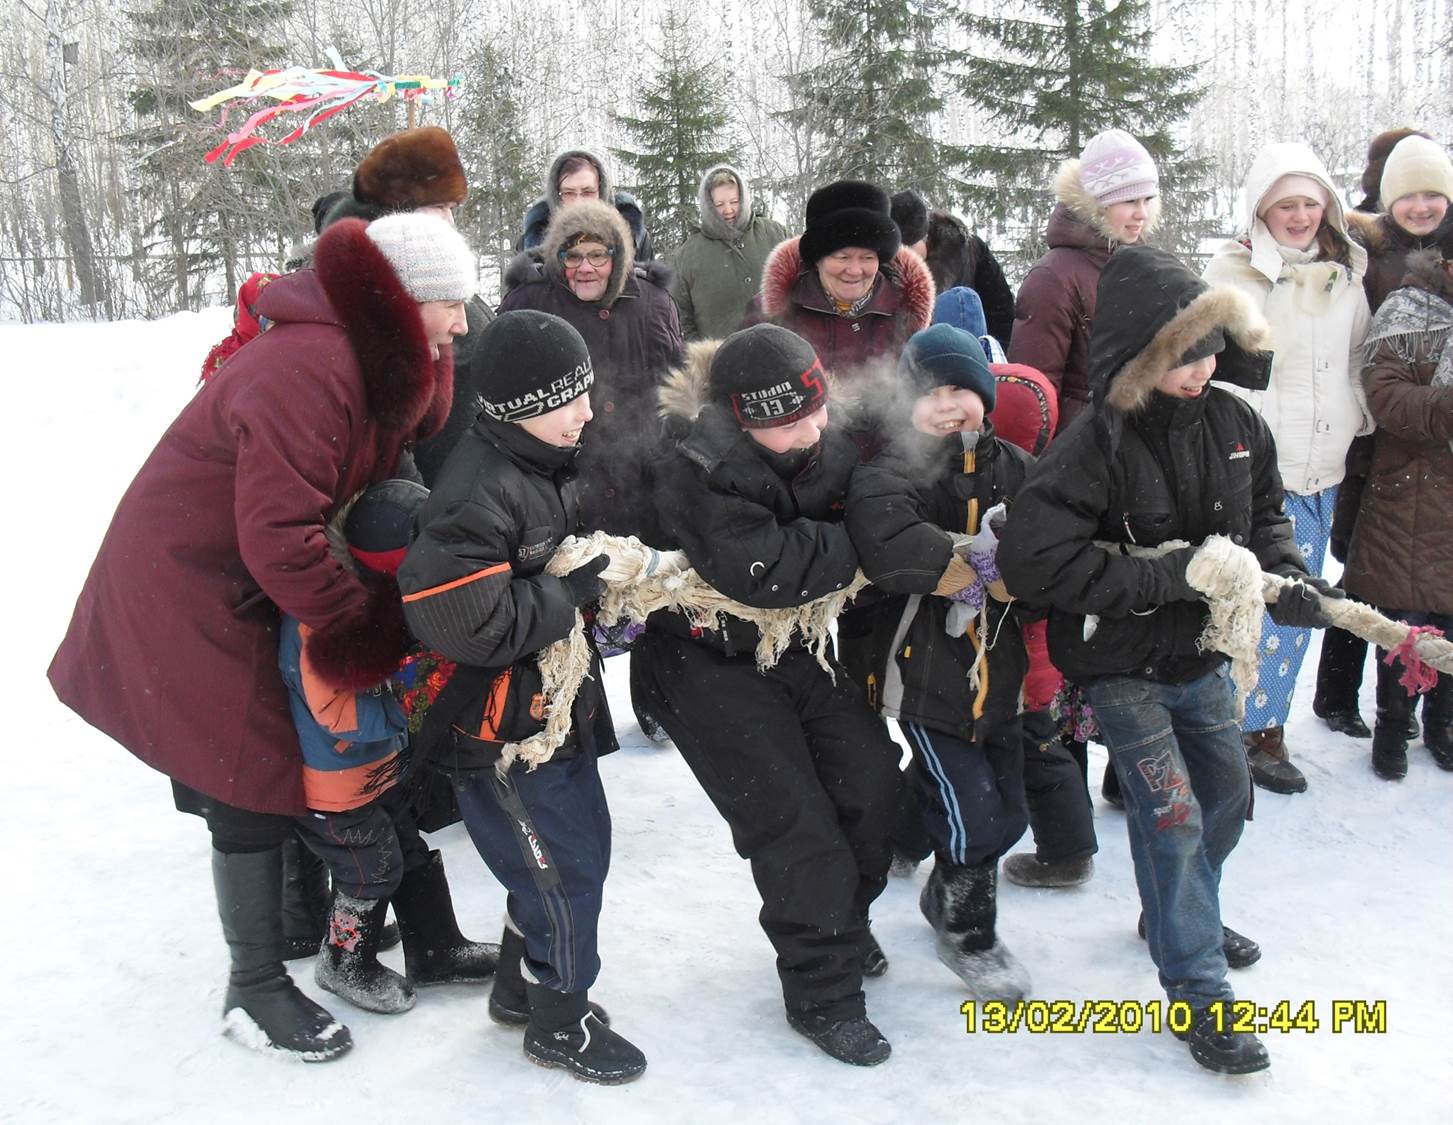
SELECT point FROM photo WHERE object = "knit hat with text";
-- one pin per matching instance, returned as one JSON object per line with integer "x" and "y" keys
{"x": 528, "y": 363}
{"x": 768, "y": 376}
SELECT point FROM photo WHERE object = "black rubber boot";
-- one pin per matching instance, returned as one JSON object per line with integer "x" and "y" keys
{"x": 853, "y": 1040}
{"x": 1390, "y": 738}
{"x": 1438, "y": 722}
{"x": 509, "y": 1002}
{"x": 264, "y": 1009}
{"x": 304, "y": 900}
{"x": 1224, "y": 1051}
{"x": 348, "y": 961}
{"x": 435, "y": 952}
{"x": 1339, "y": 679}
{"x": 563, "y": 1031}
{"x": 960, "y": 903}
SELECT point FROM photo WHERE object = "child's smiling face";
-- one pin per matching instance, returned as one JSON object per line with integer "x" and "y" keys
{"x": 561, "y": 426}
{"x": 948, "y": 410}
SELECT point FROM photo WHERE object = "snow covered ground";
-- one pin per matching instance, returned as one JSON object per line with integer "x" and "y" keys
{"x": 117, "y": 964}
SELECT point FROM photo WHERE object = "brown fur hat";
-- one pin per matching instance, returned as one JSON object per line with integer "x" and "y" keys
{"x": 1377, "y": 153}
{"x": 412, "y": 168}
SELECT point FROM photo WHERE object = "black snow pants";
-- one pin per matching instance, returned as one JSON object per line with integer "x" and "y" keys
{"x": 1060, "y": 814}
{"x": 806, "y": 777}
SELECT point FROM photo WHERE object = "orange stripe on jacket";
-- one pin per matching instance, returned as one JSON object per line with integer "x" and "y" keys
{"x": 341, "y": 790}
{"x": 475, "y": 577}
{"x": 336, "y": 711}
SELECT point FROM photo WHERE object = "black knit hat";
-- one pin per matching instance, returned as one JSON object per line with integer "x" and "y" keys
{"x": 910, "y": 212}
{"x": 528, "y": 363}
{"x": 323, "y": 205}
{"x": 849, "y": 213}
{"x": 380, "y": 524}
{"x": 768, "y": 376}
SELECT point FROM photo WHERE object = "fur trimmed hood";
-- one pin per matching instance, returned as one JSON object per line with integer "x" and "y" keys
{"x": 603, "y": 224}
{"x": 907, "y": 273}
{"x": 1070, "y": 191}
{"x": 1150, "y": 311}
{"x": 405, "y": 386}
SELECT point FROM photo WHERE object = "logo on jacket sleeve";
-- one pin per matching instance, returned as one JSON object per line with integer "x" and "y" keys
{"x": 1239, "y": 453}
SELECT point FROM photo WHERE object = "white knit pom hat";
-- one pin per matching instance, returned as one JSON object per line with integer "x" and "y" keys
{"x": 432, "y": 259}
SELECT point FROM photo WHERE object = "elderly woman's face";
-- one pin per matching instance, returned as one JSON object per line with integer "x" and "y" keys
{"x": 587, "y": 269}
{"x": 847, "y": 274}
{"x": 727, "y": 200}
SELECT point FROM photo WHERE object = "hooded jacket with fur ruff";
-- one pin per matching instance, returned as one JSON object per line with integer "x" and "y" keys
{"x": 634, "y": 337}
{"x": 1401, "y": 554}
{"x": 173, "y": 646}
{"x": 1143, "y": 467}
{"x": 1056, "y": 301}
{"x": 1317, "y": 312}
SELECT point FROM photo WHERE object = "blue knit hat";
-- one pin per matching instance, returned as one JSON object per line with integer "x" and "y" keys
{"x": 947, "y": 356}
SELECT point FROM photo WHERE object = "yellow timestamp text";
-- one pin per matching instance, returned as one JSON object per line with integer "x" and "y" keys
{"x": 1128, "y": 1017}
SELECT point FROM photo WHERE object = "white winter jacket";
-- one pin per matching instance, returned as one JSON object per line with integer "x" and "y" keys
{"x": 1318, "y": 315}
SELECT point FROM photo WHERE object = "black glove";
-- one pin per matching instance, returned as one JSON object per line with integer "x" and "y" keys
{"x": 584, "y": 581}
{"x": 1323, "y": 587}
{"x": 1299, "y": 607}
{"x": 1173, "y": 567}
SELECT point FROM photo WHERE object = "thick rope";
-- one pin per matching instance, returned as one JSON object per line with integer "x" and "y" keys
{"x": 1237, "y": 591}
{"x": 639, "y": 581}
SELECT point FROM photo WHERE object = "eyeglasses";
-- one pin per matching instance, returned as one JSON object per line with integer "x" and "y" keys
{"x": 571, "y": 195}
{"x": 573, "y": 258}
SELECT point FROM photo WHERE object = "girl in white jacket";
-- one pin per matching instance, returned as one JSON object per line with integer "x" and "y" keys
{"x": 1296, "y": 260}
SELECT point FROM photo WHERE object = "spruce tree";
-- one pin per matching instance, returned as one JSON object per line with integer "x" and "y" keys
{"x": 499, "y": 160}
{"x": 1054, "y": 81}
{"x": 678, "y": 135}
{"x": 873, "y": 100}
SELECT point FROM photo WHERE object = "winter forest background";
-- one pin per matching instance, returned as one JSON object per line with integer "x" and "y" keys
{"x": 109, "y": 211}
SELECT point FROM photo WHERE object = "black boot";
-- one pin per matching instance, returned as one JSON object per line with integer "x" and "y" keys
{"x": 960, "y": 904}
{"x": 1438, "y": 722}
{"x": 1390, "y": 738}
{"x": 1224, "y": 1051}
{"x": 304, "y": 900}
{"x": 1110, "y": 787}
{"x": 1270, "y": 764}
{"x": 509, "y": 1003}
{"x": 563, "y": 1031}
{"x": 435, "y": 952}
{"x": 853, "y": 1040}
{"x": 264, "y": 1009}
{"x": 1240, "y": 951}
{"x": 875, "y": 961}
{"x": 1339, "y": 678}
{"x": 348, "y": 962}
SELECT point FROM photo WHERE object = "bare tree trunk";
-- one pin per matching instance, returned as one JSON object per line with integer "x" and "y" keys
{"x": 73, "y": 214}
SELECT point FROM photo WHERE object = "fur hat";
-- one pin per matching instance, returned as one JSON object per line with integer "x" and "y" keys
{"x": 1416, "y": 164}
{"x": 528, "y": 363}
{"x": 769, "y": 376}
{"x": 849, "y": 213}
{"x": 431, "y": 258}
{"x": 413, "y": 168}
{"x": 947, "y": 356}
{"x": 1115, "y": 168}
{"x": 910, "y": 212}
{"x": 594, "y": 221}
{"x": 1377, "y": 153}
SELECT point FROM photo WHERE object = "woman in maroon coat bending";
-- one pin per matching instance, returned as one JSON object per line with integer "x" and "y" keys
{"x": 172, "y": 649}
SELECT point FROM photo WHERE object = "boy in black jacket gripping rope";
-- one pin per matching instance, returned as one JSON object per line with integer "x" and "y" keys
{"x": 475, "y": 590}
{"x": 790, "y": 754}
{"x": 948, "y": 659}
{"x": 1164, "y": 455}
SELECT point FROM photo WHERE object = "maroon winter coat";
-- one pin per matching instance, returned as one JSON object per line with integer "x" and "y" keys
{"x": 1056, "y": 301}
{"x": 792, "y": 296}
{"x": 173, "y": 646}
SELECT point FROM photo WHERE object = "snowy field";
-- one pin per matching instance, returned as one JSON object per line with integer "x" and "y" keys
{"x": 118, "y": 967}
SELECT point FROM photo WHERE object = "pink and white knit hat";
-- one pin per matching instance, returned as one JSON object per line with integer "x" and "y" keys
{"x": 1115, "y": 167}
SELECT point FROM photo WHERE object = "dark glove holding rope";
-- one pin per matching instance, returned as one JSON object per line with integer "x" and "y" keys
{"x": 1298, "y": 606}
{"x": 584, "y": 581}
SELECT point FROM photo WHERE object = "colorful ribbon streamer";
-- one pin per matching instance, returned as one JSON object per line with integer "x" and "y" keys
{"x": 319, "y": 93}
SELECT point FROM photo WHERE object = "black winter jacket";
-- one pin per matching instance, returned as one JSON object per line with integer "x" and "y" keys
{"x": 475, "y": 589}
{"x": 900, "y": 507}
{"x": 763, "y": 538}
{"x": 1143, "y": 468}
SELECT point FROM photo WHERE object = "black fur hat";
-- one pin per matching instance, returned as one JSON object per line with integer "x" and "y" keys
{"x": 910, "y": 212}
{"x": 849, "y": 213}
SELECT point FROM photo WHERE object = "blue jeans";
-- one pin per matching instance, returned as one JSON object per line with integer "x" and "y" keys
{"x": 1178, "y": 753}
